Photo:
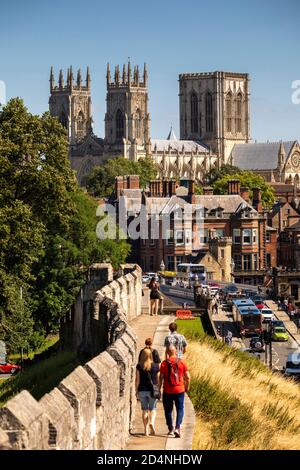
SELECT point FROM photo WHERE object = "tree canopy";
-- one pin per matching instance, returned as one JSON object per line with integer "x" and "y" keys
{"x": 47, "y": 226}
{"x": 100, "y": 181}
{"x": 218, "y": 173}
{"x": 250, "y": 180}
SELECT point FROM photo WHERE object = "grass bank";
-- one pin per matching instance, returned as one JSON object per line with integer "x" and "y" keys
{"x": 239, "y": 403}
{"x": 39, "y": 378}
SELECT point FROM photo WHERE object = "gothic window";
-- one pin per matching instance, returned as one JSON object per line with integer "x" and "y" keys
{"x": 119, "y": 125}
{"x": 194, "y": 113}
{"x": 138, "y": 124}
{"x": 64, "y": 120}
{"x": 80, "y": 123}
{"x": 239, "y": 100}
{"x": 228, "y": 104}
{"x": 209, "y": 112}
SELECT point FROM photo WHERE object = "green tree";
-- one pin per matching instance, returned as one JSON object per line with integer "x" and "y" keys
{"x": 101, "y": 180}
{"x": 16, "y": 323}
{"x": 250, "y": 180}
{"x": 47, "y": 223}
{"x": 218, "y": 173}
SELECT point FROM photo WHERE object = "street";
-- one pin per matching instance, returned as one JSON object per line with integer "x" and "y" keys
{"x": 280, "y": 350}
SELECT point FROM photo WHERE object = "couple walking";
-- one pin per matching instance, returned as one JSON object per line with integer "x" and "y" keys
{"x": 171, "y": 375}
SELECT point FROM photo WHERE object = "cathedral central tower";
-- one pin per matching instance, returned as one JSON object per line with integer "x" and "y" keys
{"x": 127, "y": 120}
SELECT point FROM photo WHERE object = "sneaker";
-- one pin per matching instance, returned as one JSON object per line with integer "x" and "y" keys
{"x": 177, "y": 433}
{"x": 171, "y": 433}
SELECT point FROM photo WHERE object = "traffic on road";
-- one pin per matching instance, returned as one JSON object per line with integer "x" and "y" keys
{"x": 245, "y": 319}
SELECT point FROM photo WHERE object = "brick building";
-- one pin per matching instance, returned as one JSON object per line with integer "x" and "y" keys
{"x": 223, "y": 217}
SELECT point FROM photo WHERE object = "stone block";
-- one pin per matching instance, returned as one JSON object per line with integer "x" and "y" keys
{"x": 25, "y": 422}
{"x": 61, "y": 416}
{"x": 80, "y": 390}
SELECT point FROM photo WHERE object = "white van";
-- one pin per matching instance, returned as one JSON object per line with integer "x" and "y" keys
{"x": 267, "y": 315}
{"x": 292, "y": 368}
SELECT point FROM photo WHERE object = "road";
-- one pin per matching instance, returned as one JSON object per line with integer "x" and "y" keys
{"x": 280, "y": 350}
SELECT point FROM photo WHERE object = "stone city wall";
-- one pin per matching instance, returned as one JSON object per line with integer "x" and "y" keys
{"x": 93, "y": 407}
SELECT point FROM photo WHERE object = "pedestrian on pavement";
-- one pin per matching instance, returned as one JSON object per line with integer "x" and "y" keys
{"x": 175, "y": 379}
{"x": 176, "y": 339}
{"x": 228, "y": 338}
{"x": 155, "y": 296}
{"x": 146, "y": 382}
{"x": 285, "y": 305}
{"x": 155, "y": 354}
{"x": 279, "y": 304}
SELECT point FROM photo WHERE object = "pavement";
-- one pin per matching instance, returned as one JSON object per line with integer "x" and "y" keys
{"x": 283, "y": 316}
{"x": 157, "y": 327}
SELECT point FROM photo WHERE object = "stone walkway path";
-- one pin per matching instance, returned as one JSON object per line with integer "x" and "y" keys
{"x": 157, "y": 327}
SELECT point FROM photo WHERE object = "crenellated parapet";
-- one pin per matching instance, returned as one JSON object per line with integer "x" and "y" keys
{"x": 94, "y": 406}
{"x": 128, "y": 78}
{"x": 70, "y": 84}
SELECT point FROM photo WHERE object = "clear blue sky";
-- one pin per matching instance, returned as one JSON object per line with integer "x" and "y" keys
{"x": 261, "y": 37}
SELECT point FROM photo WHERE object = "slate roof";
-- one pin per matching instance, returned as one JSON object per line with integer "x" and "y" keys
{"x": 189, "y": 145}
{"x": 229, "y": 203}
{"x": 258, "y": 156}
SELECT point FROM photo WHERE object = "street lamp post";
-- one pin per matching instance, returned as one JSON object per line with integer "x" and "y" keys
{"x": 232, "y": 266}
{"x": 162, "y": 268}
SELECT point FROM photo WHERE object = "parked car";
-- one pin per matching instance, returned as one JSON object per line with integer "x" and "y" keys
{"x": 257, "y": 344}
{"x": 8, "y": 368}
{"x": 267, "y": 314}
{"x": 230, "y": 288}
{"x": 275, "y": 323}
{"x": 151, "y": 275}
{"x": 145, "y": 278}
{"x": 292, "y": 368}
{"x": 279, "y": 333}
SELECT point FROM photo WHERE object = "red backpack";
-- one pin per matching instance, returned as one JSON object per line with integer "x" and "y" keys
{"x": 173, "y": 372}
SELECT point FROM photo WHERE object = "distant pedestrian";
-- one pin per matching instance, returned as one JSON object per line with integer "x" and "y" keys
{"x": 175, "y": 379}
{"x": 176, "y": 339}
{"x": 155, "y": 296}
{"x": 155, "y": 354}
{"x": 228, "y": 338}
{"x": 285, "y": 305}
{"x": 146, "y": 382}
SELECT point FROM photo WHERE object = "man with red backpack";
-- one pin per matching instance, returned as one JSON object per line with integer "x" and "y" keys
{"x": 175, "y": 378}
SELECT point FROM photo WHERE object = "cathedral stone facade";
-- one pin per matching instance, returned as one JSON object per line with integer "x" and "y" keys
{"x": 127, "y": 120}
{"x": 214, "y": 126}
{"x": 214, "y": 108}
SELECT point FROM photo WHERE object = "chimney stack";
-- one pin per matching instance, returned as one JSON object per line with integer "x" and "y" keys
{"x": 133, "y": 182}
{"x": 256, "y": 200}
{"x": 234, "y": 187}
{"x": 119, "y": 186}
{"x": 208, "y": 191}
{"x": 245, "y": 194}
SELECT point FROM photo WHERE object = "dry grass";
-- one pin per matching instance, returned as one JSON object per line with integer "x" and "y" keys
{"x": 239, "y": 403}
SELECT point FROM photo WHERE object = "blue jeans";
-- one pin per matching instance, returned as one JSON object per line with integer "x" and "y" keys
{"x": 168, "y": 400}
{"x": 147, "y": 402}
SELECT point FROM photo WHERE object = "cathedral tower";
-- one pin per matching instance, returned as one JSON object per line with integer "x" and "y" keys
{"x": 71, "y": 103}
{"x": 127, "y": 121}
{"x": 214, "y": 108}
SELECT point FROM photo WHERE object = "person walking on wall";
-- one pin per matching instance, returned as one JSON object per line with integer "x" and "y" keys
{"x": 154, "y": 296}
{"x": 155, "y": 354}
{"x": 147, "y": 389}
{"x": 176, "y": 339}
{"x": 175, "y": 379}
